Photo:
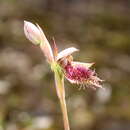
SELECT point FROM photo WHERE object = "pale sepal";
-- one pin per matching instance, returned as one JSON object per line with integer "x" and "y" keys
{"x": 45, "y": 46}
{"x": 66, "y": 53}
{"x": 87, "y": 65}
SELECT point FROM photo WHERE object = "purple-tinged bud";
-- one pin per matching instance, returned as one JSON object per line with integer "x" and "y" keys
{"x": 37, "y": 37}
{"x": 32, "y": 33}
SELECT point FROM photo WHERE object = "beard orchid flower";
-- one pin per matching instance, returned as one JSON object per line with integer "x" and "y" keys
{"x": 63, "y": 65}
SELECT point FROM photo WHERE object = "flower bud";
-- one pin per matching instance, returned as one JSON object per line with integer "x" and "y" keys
{"x": 32, "y": 33}
{"x": 37, "y": 37}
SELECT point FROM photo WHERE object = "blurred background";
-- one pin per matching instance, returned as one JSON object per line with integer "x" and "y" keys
{"x": 100, "y": 29}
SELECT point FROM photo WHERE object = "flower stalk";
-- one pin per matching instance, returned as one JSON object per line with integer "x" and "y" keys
{"x": 59, "y": 82}
{"x": 65, "y": 114}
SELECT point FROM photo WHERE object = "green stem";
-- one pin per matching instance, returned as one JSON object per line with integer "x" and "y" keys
{"x": 65, "y": 115}
{"x": 59, "y": 80}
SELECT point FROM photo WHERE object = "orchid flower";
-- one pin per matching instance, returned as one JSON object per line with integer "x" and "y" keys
{"x": 62, "y": 65}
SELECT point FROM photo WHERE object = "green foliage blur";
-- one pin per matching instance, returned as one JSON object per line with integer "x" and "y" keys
{"x": 100, "y": 29}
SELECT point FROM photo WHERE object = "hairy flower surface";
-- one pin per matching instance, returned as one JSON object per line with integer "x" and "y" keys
{"x": 81, "y": 74}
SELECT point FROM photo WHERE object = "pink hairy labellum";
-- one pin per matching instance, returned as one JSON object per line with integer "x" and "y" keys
{"x": 78, "y": 73}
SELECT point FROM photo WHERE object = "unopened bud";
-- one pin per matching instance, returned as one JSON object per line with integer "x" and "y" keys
{"x": 32, "y": 33}
{"x": 36, "y": 36}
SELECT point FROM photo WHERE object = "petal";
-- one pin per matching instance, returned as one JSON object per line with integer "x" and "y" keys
{"x": 72, "y": 81}
{"x": 43, "y": 37}
{"x": 80, "y": 73}
{"x": 87, "y": 65}
{"x": 45, "y": 46}
{"x": 66, "y": 53}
